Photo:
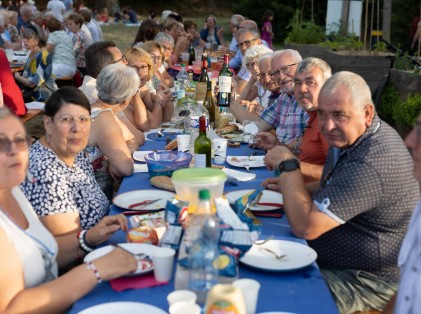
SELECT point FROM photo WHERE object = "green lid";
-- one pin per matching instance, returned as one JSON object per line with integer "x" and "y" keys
{"x": 204, "y": 194}
{"x": 199, "y": 175}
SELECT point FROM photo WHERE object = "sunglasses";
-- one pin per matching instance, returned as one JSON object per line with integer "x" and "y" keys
{"x": 22, "y": 144}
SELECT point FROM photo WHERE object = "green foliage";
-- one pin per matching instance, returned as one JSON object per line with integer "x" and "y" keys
{"x": 380, "y": 47}
{"x": 304, "y": 32}
{"x": 337, "y": 43}
{"x": 407, "y": 111}
{"x": 403, "y": 62}
{"x": 389, "y": 100}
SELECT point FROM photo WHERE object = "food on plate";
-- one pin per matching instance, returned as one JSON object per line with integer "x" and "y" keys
{"x": 227, "y": 129}
{"x": 171, "y": 145}
{"x": 233, "y": 158}
{"x": 221, "y": 121}
{"x": 142, "y": 234}
{"x": 162, "y": 182}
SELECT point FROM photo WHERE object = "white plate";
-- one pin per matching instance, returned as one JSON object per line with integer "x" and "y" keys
{"x": 123, "y": 308}
{"x": 124, "y": 200}
{"x": 135, "y": 248}
{"x": 140, "y": 155}
{"x": 298, "y": 256}
{"x": 267, "y": 197}
{"x": 241, "y": 161}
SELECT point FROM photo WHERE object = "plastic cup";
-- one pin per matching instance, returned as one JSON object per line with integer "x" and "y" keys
{"x": 185, "y": 58}
{"x": 220, "y": 150}
{"x": 181, "y": 296}
{"x": 185, "y": 308}
{"x": 183, "y": 142}
{"x": 250, "y": 289}
{"x": 163, "y": 261}
{"x": 9, "y": 54}
{"x": 197, "y": 65}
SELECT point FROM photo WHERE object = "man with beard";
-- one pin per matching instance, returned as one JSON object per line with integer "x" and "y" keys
{"x": 311, "y": 147}
{"x": 356, "y": 216}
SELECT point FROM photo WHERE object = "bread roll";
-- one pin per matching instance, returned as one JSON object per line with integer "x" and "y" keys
{"x": 171, "y": 145}
{"x": 162, "y": 182}
{"x": 227, "y": 129}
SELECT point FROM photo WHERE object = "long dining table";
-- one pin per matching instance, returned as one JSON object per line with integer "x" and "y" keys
{"x": 300, "y": 291}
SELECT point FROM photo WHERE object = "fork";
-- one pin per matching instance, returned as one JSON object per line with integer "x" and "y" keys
{"x": 273, "y": 253}
{"x": 159, "y": 133}
{"x": 138, "y": 256}
{"x": 263, "y": 241}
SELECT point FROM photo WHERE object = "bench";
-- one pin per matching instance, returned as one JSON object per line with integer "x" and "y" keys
{"x": 32, "y": 113}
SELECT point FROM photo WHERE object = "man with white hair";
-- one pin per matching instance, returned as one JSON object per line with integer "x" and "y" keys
{"x": 58, "y": 8}
{"x": 356, "y": 216}
{"x": 310, "y": 147}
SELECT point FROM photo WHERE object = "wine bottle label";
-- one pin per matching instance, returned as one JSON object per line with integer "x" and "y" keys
{"x": 200, "y": 160}
{"x": 225, "y": 84}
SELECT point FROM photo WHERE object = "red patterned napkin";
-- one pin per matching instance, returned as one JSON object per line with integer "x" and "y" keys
{"x": 137, "y": 282}
{"x": 277, "y": 213}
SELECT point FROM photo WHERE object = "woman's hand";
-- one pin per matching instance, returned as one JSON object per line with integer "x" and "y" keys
{"x": 105, "y": 228}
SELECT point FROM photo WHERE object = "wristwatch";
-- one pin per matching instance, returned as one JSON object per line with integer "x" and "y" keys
{"x": 287, "y": 165}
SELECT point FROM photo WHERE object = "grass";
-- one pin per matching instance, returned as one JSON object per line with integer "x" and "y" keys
{"x": 123, "y": 36}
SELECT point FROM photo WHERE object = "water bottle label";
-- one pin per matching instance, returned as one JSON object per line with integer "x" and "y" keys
{"x": 200, "y": 160}
{"x": 225, "y": 84}
{"x": 181, "y": 93}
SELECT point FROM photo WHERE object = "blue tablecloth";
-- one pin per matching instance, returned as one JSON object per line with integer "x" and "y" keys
{"x": 300, "y": 291}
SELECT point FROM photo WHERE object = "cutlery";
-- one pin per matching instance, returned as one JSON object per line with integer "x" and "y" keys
{"x": 250, "y": 157}
{"x": 138, "y": 256}
{"x": 272, "y": 252}
{"x": 143, "y": 203}
{"x": 160, "y": 133}
{"x": 278, "y": 205}
{"x": 263, "y": 241}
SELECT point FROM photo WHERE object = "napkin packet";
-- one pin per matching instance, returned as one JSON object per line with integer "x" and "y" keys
{"x": 241, "y": 207}
{"x": 176, "y": 213}
{"x": 236, "y": 238}
{"x": 155, "y": 220}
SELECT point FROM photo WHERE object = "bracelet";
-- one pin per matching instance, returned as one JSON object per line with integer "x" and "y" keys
{"x": 91, "y": 266}
{"x": 82, "y": 242}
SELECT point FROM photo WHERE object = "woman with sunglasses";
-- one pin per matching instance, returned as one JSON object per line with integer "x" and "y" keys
{"x": 31, "y": 256}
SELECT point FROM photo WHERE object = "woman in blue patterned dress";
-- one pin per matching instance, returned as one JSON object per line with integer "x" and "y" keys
{"x": 61, "y": 185}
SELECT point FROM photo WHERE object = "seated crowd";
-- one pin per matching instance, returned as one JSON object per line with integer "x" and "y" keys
{"x": 349, "y": 183}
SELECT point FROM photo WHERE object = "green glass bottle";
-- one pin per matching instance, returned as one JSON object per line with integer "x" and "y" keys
{"x": 202, "y": 146}
{"x": 204, "y": 74}
{"x": 209, "y": 104}
{"x": 224, "y": 81}
{"x": 192, "y": 54}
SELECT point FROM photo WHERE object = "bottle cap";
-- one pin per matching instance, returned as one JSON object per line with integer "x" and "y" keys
{"x": 204, "y": 194}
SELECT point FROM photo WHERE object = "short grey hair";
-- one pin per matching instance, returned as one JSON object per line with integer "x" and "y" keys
{"x": 117, "y": 82}
{"x": 308, "y": 63}
{"x": 253, "y": 32}
{"x": 25, "y": 9}
{"x": 254, "y": 53}
{"x": 358, "y": 88}
{"x": 162, "y": 37}
{"x": 236, "y": 19}
{"x": 293, "y": 54}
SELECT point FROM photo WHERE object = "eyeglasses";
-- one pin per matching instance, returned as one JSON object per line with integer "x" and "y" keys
{"x": 285, "y": 69}
{"x": 251, "y": 65}
{"x": 67, "y": 122}
{"x": 167, "y": 48}
{"x": 122, "y": 59}
{"x": 22, "y": 144}
{"x": 156, "y": 58}
{"x": 264, "y": 74}
{"x": 246, "y": 42}
{"x": 143, "y": 68}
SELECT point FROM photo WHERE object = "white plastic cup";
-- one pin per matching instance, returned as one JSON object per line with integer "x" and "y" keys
{"x": 163, "y": 262}
{"x": 220, "y": 150}
{"x": 185, "y": 308}
{"x": 185, "y": 58}
{"x": 250, "y": 289}
{"x": 181, "y": 296}
{"x": 9, "y": 54}
{"x": 183, "y": 142}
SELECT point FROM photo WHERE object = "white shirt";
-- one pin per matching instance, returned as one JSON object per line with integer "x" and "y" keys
{"x": 57, "y": 7}
{"x": 31, "y": 244}
{"x": 409, "y": 292}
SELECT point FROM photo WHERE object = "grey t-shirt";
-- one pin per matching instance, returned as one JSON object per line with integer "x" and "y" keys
{"x": 371, "y": 191}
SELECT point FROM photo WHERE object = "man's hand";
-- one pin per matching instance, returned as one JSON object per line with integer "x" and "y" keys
{"x": 276, "y": 155}
{"x": 265, "y": 140}
{"x": 272, "y": 184}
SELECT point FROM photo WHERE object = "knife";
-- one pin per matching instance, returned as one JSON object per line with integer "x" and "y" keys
{"x": 143, "y": 203}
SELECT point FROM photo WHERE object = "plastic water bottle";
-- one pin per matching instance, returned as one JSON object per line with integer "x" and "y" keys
{"x": 183, "y": 81}
{"x": 203, "y": 236}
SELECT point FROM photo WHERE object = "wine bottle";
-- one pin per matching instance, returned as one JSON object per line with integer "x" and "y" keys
{"x": 202, "y": 146}
{"x": 225, "y": 79}
{"x": 192, "y": 54}
{"x": 209, "y": 104}
{"x": 204, "y": 74}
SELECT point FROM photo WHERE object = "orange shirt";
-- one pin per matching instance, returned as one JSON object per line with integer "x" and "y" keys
{"x": 313, "y": 148}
